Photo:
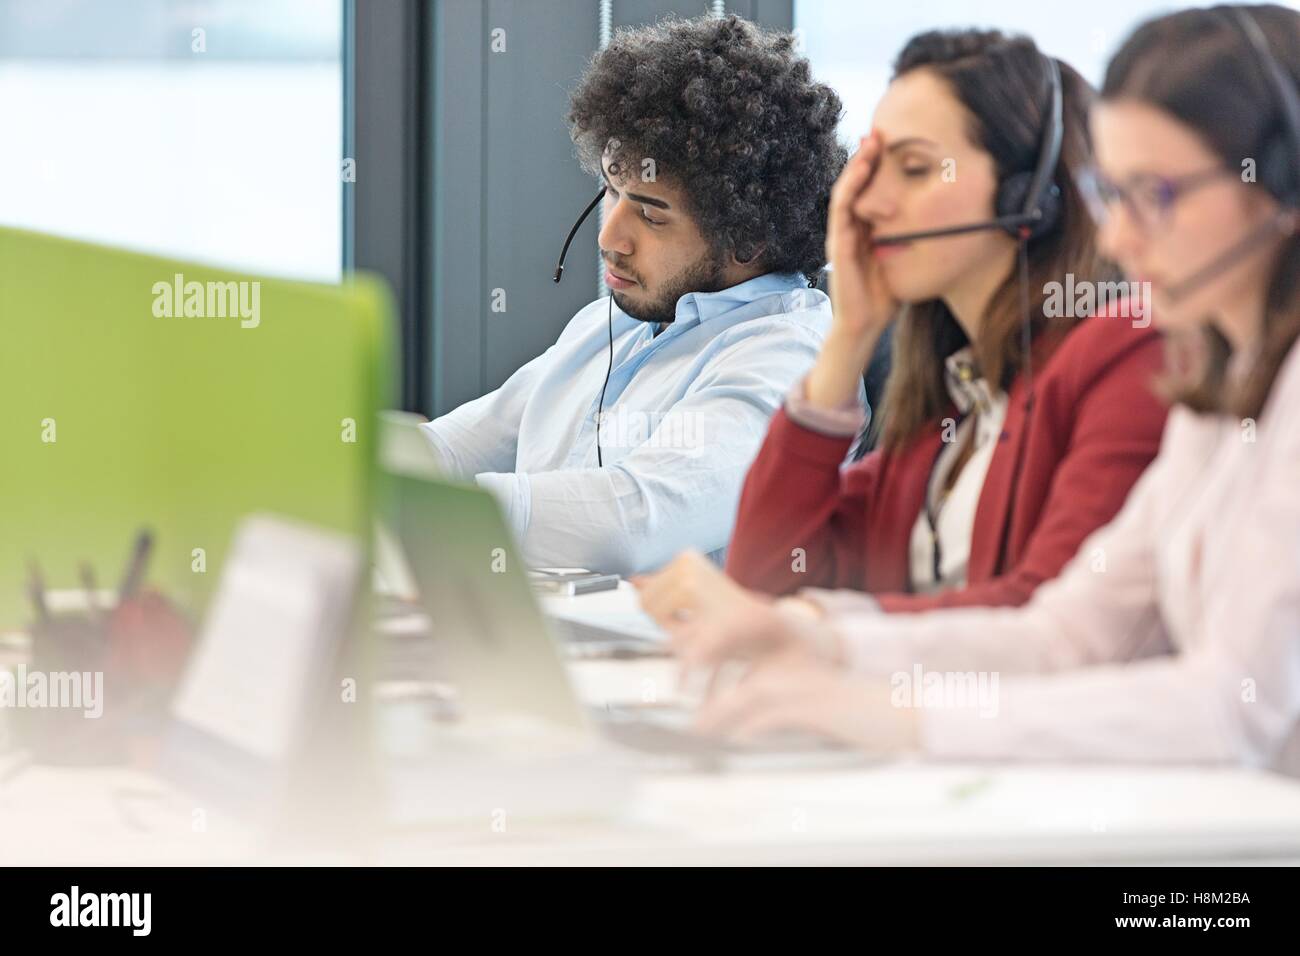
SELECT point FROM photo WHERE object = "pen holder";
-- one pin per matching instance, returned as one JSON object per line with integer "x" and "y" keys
{"x": 97, "y": 687}
{"x": 60, "y": 693}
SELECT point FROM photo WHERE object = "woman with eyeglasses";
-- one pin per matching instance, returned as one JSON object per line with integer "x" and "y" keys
{"x": 1010, "y": 429}
{"x": 1174, "y": 634}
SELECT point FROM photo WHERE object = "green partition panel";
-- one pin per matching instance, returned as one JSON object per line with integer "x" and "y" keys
{"x": 124, "y": 405}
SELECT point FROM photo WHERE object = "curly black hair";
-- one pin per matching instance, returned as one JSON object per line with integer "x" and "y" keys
{"x": 730, "y": 114}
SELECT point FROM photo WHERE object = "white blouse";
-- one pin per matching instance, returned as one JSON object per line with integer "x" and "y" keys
{"x": 941, "y": 538}
{"x": 1173, "y": 635}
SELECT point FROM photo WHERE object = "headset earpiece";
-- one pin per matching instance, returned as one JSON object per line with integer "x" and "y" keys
{"x": 1013, "y": 197}
{"x": 1276, "y": 170}
{"x": 1036, "y": 194}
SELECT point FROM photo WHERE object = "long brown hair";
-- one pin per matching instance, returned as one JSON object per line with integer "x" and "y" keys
{"x": 1198, "y": 67}
{"x": 1003, "y": 83}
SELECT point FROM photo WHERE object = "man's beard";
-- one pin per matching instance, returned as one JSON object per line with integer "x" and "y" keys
{"x": 705, "y": 276}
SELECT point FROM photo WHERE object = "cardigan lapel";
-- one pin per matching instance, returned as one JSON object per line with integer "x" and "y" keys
{"x": 993, "y": 512}
{"x": 901, "y": 498}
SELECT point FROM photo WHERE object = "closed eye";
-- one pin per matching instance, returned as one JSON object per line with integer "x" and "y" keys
{"x": 612, "y": 194}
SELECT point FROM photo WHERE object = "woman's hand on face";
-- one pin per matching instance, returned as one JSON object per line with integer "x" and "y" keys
{"x": 861, "y": 304}
{"x": 709, "y": 617}
{"x": 794, "y": 690}
{"x": 860, "y": 300}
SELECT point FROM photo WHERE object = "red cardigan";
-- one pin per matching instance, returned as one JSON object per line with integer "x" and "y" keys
{"x": 1095, "y": 424}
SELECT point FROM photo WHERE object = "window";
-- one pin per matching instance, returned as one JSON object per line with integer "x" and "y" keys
{"x": 207, "y": 130}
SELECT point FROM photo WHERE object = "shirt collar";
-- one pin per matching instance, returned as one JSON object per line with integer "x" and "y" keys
{"x": 697, "y": 307}
{"x": 965, "y": 383}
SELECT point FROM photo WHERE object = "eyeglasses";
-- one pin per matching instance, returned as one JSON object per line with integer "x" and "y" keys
{"x": 1149, "y": 198}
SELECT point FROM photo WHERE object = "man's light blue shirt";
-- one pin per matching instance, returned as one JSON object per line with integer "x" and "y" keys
{"x": 685, "y": 413}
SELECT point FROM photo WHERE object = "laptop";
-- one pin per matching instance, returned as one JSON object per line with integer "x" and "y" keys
{"x": 502, "y": 653}
{"x": 405, "y": 449}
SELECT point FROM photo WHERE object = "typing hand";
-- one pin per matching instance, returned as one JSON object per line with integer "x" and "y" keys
{"x": 708, "y": 616}
{"x": 794, "y": 690}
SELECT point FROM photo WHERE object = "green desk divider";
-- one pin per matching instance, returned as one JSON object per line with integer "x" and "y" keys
{"x": 137, "y": 391}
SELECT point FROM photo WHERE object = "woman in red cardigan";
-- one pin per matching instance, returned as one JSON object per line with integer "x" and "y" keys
{"x": 992, "y": 469}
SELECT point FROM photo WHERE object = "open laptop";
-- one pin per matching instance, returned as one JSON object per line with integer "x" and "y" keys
{"x": 586, "y": 628}
{"x": 502, "y": 653}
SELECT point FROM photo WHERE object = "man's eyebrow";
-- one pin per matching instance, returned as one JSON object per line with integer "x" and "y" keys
{"x": 647, "y": 200}
{"x": 909, "y": 141}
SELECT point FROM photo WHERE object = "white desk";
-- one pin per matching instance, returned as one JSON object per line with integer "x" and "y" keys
{"x": 900, "y": 812}
{"x": 912, "y": 814}
{"x": 892, "y": 814}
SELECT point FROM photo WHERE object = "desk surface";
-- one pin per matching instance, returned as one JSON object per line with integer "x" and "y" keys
{"x": 896, "y": 812}
{"x": 913, "y": 814}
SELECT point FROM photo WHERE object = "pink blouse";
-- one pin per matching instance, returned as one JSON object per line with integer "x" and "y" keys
{"x": 1173, "y": 635}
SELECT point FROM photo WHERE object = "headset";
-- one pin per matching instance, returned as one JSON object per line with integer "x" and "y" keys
{"x": 1280, "y": 157}
{"x": 1028, "y": 204}
{"x": 559, "y": 274}
{"x": 559, "y": 266}
{"x": 1277, "y": 163}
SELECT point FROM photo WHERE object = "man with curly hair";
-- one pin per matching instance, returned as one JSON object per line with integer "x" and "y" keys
{"x": 629, "y": 438}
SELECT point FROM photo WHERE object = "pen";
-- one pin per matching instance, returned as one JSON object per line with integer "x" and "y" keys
{"x": 36, "y": 590}
{"x": 88, "y": 583}
{"x": 135, "y": 567}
